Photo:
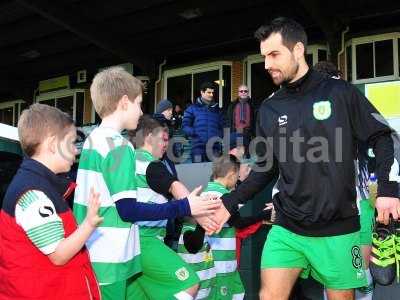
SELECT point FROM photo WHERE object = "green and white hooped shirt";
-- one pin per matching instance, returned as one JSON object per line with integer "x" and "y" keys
{"x": 107, "y": 163}
{"x": 223, "y": 247}
{"x": 201, "y": 262}
{"x": 146, "y": 195}
{"x": 223, "y": 244}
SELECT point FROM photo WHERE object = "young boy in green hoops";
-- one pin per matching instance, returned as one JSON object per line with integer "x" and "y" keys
{"x": 202, "y": 262}
{"x": 218, "y": 250}
{"x": 164, "y": 274}
{"x": 108, "y": 162}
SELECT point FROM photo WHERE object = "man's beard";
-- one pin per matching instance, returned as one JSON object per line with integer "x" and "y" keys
{"x": 288, "y": 78}
{"x": 292, "y": 75}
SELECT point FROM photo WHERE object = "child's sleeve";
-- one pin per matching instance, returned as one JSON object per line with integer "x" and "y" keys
{"x": 194, "y": 240}
{"x": 159, "y": 178}
{"x": 37, "y": 216}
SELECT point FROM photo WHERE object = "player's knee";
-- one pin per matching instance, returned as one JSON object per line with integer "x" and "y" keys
{"x": 341, "y": 294}
{"x": 268, "y": 294}
{"x": 265, "y": 294}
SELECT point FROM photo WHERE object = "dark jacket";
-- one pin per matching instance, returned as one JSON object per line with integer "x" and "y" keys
{"x": 315, "y": 193}
{"x": 230, "y": 117}
{"x": 202, "y": 122}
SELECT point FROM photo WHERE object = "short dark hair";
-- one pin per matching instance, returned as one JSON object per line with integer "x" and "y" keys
{"x": 223, "y": 165}
{"x": 291, "y": 32}
{"x": 328, "y": 68}
{"x": 146, "y": 125}
{"x": 207, "y": 85}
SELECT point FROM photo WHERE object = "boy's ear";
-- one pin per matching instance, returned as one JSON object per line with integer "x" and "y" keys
{"x": 230, "y": 174}
{"x": 50, "y": 143}
{"x": 123, "y": 102}
{"x": 148, "y": 139}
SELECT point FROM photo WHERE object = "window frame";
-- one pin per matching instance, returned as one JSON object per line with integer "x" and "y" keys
{"x": 56, "y": 95}
{"x": 11, "y": 104}
{"x": 368, "y": 40}
{"x": 195, "y": 69}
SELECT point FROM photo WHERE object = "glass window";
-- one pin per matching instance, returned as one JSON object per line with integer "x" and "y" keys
{"x": 66, "y": 104}
{"x": 6, "y": 115}
{"x": 226, "y": 88}
{"x": 207, "y": 76}
{"x": 322, "y": 55}
{"x": 365, "y": 61}
{"x": 261, "y": 83}
{"x": 349, "y": 63}
{"x": 398, "y": 54}
{"x": 24, "y": 105}
{"x": 184, "y": 89}
{"x": 16, "y": 112}
{"x": 80, "y": 101}
{"x": 384, "y": 58}
{"x": 309, "y": 59}
{"x": 97, "y": 119}
{"x": 180, "y": 89}
{"x": 50, "y": 102}
{"x": 9, "y": 164}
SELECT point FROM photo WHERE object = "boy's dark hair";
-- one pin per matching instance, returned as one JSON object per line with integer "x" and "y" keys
{"x": 38, "y": 122}
{"x": 223, "y": 165}
{"x": 328, "y": 68}
{"x": 207, "y": 85}
{"x": 291, "y": 32}
{"x": 146, "y": 125}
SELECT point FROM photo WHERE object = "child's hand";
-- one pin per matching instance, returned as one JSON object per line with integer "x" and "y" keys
{"x": 270, "y": 206}
{"x": 208, "y": 224}
{"x": 201, "y": 205}
{"x": 92, "y": 217}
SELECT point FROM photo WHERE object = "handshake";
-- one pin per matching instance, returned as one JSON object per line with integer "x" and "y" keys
{"x": 210, "y": 213}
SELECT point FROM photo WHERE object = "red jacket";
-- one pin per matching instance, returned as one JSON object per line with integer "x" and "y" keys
{"x": 25, "y": 272}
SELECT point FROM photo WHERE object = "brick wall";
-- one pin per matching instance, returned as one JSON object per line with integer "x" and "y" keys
{"x": 87, "y": 111}
{"x": 237, "y": 78}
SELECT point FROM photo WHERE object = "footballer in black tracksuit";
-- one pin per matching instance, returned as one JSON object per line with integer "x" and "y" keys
{"x": 313, "y": 126}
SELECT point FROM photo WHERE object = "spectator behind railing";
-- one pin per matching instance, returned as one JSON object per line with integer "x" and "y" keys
{"x": 202, "y": 121}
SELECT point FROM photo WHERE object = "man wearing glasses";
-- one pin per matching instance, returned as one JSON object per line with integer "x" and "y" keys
{"x": 241, "y": 115}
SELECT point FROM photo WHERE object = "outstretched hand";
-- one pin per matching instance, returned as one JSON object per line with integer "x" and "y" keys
{"x": 387, "y": 206}
{"x": 208, "y": 224}
{"x": 202, "y": 205}
{"x": 220, "y": 217}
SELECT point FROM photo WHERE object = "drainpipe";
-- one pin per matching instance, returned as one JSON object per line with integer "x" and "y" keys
{"x": 158, "y": 81}
{"x": 343, "y": 47}
{"x": 35, "y": 93}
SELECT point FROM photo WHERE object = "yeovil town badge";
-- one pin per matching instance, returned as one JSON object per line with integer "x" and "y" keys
{"x": 322, "y": 110}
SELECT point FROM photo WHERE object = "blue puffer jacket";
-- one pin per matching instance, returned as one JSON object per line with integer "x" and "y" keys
{"x": 202, "y": 122}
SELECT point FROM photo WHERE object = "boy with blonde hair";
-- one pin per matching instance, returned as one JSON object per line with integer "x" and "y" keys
{"x": 42, "y": 252}
{"x": 108, "y": 162}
